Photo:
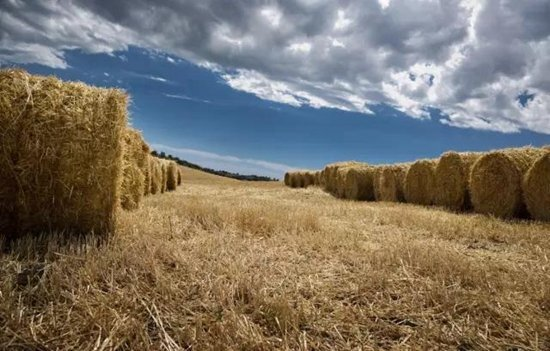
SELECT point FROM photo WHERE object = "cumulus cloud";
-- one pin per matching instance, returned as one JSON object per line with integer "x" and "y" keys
{"x": 226, "y": 162}
{"x": 471, "y": 59}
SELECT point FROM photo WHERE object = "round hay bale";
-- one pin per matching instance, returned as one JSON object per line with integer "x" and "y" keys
{"x": 148, "y": 176}
{"x": 536, "y": 188}
{"x": 308, "y": 179}
{"x": 331, "y": 176}
{"x": 496, "y": 181}
{"x": 322, "y": 182}
{"x": 132, "y": 187}
{"x": 295, "y": 180}
{"x": 171, "y": 176}
{"x": 359, "y": 183}
{"x": 287, "y": 179}
{"x": 391, "y": 182}
{"x": 156, "y": 176}
{"x": 179, "y": 176}
{"x": 164, "y": 179}
{"x": 420, "y": 182}
{"x": 452, "y": 180}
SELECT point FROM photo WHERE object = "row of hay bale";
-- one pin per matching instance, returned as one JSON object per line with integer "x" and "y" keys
{"x": 144, "y": 174}
{"x": 68, "y": 160}
{"x": 504, "y": 183}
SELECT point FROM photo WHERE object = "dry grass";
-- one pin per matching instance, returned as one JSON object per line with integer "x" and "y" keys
{"x": 222, "y": 264}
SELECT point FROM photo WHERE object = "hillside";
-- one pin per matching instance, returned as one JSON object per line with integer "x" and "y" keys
{"x": 223, "y": 264}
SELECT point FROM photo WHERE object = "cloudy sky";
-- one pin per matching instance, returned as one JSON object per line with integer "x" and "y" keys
{"x": 263, "y": 86}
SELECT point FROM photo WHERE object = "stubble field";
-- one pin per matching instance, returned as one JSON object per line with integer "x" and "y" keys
{"x": 222, "y": 264}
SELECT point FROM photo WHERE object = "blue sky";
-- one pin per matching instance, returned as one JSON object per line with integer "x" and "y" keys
{"x": 221, "y": 107}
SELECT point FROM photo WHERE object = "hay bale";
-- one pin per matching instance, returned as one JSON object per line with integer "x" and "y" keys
{"x": 391, "y": 182}
{"x": 179, "y": 176}
{"x": 60, "y": 156}
{"x": 331, "y": 176}
{"x": 136, "y": 153}
{"x": 156, "y": 175}
{"x": 496, "y": 181}
{"x": 287, "y": 179}
{"x": 171, "y": 176}
{"x": 420, "y": 182}
{"x": 164, "y": 178}
{"x": 148, "y": 176}
{"x": 308, "y": 179}
{"x": 452, "y": 180}
{"x": 359, "y": 183}
{"x": 536, "y": 188}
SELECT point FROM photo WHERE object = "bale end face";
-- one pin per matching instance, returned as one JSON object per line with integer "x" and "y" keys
{"x": 495, "y": 184}
{"x": 420, "y": 183}
{"x": 536, "y": 189}
{"x": 171, "y": 176}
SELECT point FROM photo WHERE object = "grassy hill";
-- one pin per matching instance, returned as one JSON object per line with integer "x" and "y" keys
{"x": 224, "y": 264}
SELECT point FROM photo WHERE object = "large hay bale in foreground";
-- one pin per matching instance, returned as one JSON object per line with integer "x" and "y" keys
{"x": 156, "y": 176}
{"x": 359, "y": 183}
{"x": 536, "y": 188}
{"x": 60, "y": 155}
{"x": 452, "y": 180}
{"x": 496, "y": 181}
{"x": 420, "y": 183}
{"x": 391, "y": 182}
{"x": 171, "y": 176}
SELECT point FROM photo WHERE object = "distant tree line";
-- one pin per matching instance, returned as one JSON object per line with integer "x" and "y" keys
{"x": 238, "y": 176}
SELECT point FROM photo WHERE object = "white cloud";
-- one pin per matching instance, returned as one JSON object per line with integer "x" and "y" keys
{"x": 185, "y": 97}
{"x": 471, "y": 59}
{"x": 226, "y": 162}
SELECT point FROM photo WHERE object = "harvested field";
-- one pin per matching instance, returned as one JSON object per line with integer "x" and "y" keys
{"x": 223, "y": 264}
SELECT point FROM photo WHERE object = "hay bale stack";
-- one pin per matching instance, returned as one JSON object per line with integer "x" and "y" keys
{"x": 420, "y": 183}
{"x": 496, "y": 181}
{"x": 359, "y": 183}
{"x": 136, "y": 153}
{"x": 156, "y": 176}
{"x": 391, "y": 182}
{"x": 536, "y": 188}
{"x": 60, "y": 156}
{"x": 376, "y": 180}
{"x": 452, "y": 180}
{"x": 171, "y": 176}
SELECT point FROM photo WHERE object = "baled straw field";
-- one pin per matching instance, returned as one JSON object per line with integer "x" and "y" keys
{"x": 223, "y": 264}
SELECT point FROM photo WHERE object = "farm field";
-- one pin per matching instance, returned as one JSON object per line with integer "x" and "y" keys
{"x": 223, "y": 264}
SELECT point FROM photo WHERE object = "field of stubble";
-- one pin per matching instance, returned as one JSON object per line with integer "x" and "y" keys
{"x": 220, "y": 264}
